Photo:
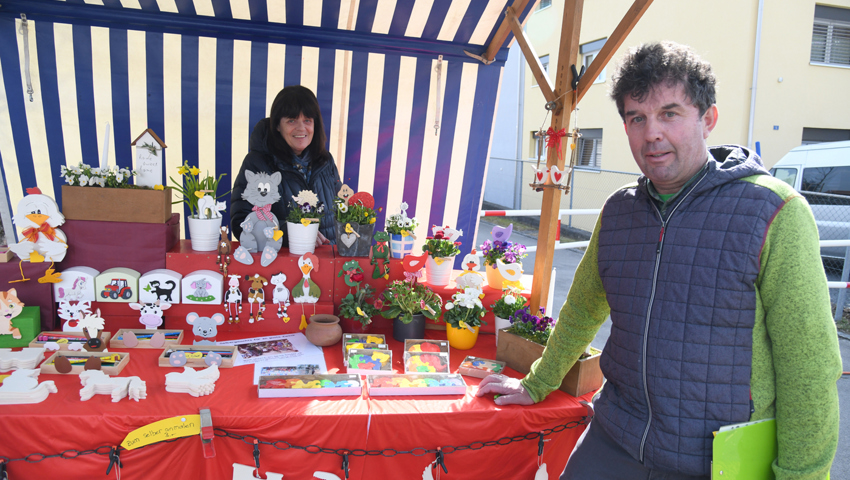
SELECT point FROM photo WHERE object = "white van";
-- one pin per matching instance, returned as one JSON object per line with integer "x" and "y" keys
{"x": 822, "y": 173}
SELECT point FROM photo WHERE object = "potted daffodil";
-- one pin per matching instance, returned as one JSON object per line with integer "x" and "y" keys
{"x": 199, "y": 194}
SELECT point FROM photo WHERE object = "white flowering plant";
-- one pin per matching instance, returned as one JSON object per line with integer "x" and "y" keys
{"x": 510, "y": 301}
{"x": 465, "y": 310}
{"x": 400, "y": 223}
{"x": 304, "y": 206}
{"x": 83, "y": 175}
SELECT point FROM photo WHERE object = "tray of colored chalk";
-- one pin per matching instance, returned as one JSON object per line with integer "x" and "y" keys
{"x": 150, "y": 338}
{"x": 111, "y": 363}
{"x": 416, "y": 384}
{"x": 426, "y": 362}
{"x": 423, "y": 345}
{"x": 480, "y": 367}
{"x": 371, "y": 346}
{"x": 309, "y": 386}
{"x": 64, "y": 341}
{"x": 363, "y": 338}
{"x": 366, "y": 361}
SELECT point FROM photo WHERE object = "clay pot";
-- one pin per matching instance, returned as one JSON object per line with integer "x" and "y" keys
{"x": 323, "y": 330}
{"x": 353, "y": 326}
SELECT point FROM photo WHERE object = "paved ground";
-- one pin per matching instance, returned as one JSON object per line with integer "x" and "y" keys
{"x": 565, "y": 263}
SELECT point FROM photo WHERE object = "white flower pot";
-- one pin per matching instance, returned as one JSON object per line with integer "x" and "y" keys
{"x": 302, "y": 239}
{"x": 500, "y": 324}
{"x": 204, "y": 233}
{"x": 438, "y": 272}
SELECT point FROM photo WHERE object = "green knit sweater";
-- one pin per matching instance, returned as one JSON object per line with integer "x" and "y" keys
{"x": 795, "y": 362}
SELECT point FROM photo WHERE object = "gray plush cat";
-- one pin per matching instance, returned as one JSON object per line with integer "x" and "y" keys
{"x": 260, "y": 227}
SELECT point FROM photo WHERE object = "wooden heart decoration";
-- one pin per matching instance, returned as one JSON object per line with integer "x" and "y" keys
{"x": 348, "y": 239}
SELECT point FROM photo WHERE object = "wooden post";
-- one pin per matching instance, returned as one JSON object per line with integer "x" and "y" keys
{"x": 567, "y": 56}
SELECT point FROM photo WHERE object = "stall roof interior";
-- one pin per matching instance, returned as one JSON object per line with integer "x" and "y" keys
{"x": 408, "y": 113}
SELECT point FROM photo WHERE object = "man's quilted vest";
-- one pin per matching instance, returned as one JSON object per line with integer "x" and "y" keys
{"x": 682, "y": 298}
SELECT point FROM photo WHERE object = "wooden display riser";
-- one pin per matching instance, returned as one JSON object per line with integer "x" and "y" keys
{"x": 184, "y": 260}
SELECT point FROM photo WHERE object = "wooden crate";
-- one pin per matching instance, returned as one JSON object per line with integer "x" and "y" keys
{"x": 199, "y": 362}
{"x": 519, "y": 353}
{"x": 118, "y": 339}
{"x": 63, "y": 347}
{"x": 49, "y": 367}
{"x": 135, "y": 205}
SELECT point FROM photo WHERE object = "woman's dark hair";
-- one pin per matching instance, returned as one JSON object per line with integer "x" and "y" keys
{"x": 291, "y": 102}
{"x": 648, "y": 65}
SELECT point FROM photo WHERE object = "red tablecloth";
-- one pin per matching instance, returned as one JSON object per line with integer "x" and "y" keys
{"x": 63, "y": 422}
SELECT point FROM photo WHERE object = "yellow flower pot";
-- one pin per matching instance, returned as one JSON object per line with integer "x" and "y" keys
{"x": 461, "y": 338}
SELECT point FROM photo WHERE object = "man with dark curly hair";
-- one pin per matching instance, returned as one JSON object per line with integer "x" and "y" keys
{"x": 710, "y": 270}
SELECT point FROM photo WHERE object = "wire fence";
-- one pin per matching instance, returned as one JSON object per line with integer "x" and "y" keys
{"x": 832, "y": 215}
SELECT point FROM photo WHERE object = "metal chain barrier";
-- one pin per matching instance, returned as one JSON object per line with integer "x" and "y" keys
{"x": 110, "y": 451}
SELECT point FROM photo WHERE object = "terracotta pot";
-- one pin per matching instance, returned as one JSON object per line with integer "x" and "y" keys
{"x": 414, "y": 329}
{"x": 350, "y": 325}
{"x": 461, "y": 338}
{"x": 323, "y": 330}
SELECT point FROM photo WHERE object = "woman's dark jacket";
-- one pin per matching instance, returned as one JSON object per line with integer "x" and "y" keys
{"x": 324, "y": 182}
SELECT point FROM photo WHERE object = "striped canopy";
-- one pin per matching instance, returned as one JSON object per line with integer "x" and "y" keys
{"x": 408, "y": 113}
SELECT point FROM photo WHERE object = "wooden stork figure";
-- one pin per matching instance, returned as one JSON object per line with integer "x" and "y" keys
{"x": 306, "y": 291}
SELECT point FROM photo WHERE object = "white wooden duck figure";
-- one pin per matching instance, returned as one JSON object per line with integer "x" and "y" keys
{"x": 38, "y": 216}
{"x": 470, "y": 276}
{"x": 306, "y": 291}
{"x": 512, "y": 273}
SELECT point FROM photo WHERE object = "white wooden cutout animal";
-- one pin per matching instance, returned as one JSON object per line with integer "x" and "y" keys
{"x": 207, "y": 207}
{"x": 95, "y": 382}
{"x": 194, "y": 382}
{"x": 23, "y": 359}
{"x": 540, "y": 175}
{"x": 38, "y": 216}
{"x": 22, "y": 387}
{"x": 233, "y": 299}
{"x": 558, "y": 176}
{"x": 512, "y": 272}
{"x": 280, "y": 295}
{"x": 470, "y": 276}
{"x": 72, "y": 313}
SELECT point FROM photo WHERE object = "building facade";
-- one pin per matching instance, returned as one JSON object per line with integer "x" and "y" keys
{"x": 798, "y": 53}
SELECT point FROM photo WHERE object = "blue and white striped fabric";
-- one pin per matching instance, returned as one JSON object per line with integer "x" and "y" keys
{"x": 201, "y": 73}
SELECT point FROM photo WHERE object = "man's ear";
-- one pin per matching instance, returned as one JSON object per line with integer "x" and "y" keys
{"x": 709, "y": 120}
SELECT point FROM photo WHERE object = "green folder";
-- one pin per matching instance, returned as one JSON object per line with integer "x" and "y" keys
{"x": 744, "y": 451}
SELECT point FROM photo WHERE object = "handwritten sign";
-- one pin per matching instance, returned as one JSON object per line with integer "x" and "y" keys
{"x": 174, "y": 427}
{"x": 148, "y": 161}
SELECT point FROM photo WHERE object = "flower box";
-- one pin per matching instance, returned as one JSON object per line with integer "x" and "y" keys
{"x": 519, "y": 353}
{"x": 134, "y": 205}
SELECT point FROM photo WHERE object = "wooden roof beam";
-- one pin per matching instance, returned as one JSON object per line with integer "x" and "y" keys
{"x": 530, "y": 56}
{"x": 618, "y": 36}
{"x": 502, "y": 33}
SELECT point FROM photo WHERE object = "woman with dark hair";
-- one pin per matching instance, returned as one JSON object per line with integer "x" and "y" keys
{"x": 290, "y": 141}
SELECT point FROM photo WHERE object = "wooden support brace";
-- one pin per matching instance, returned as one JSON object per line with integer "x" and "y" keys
{"x": 502, "y": 32}
{"x": 530, "y": 56}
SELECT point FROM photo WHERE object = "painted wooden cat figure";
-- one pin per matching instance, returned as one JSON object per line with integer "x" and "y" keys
{"x": 10, "y": 307}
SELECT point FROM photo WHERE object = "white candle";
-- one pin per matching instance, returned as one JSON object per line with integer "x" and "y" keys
{"x": 105, "y": 150}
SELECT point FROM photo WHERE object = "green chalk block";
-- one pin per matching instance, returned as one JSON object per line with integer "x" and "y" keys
{"x": 29, "y": 323}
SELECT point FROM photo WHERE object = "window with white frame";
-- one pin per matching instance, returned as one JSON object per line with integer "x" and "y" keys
{"x": 831, "y": 36}
{"x": 544, "y": 4}
{"x": 538, "y": 146}
{"x": 544, "y": 62}
{"x": 588, "y": 52}
{"x": 590, "y": 148}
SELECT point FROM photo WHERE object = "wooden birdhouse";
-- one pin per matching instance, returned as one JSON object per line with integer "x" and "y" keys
{"x": 203, "y": 286}
{"x": 149, "y": 157}
{"x": 77, "y": 284}
{"x": 117, "y": 285}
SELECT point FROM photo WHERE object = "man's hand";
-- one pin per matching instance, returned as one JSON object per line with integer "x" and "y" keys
{"x": 510, "y": 390}
{"x": 321, "y": 240}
